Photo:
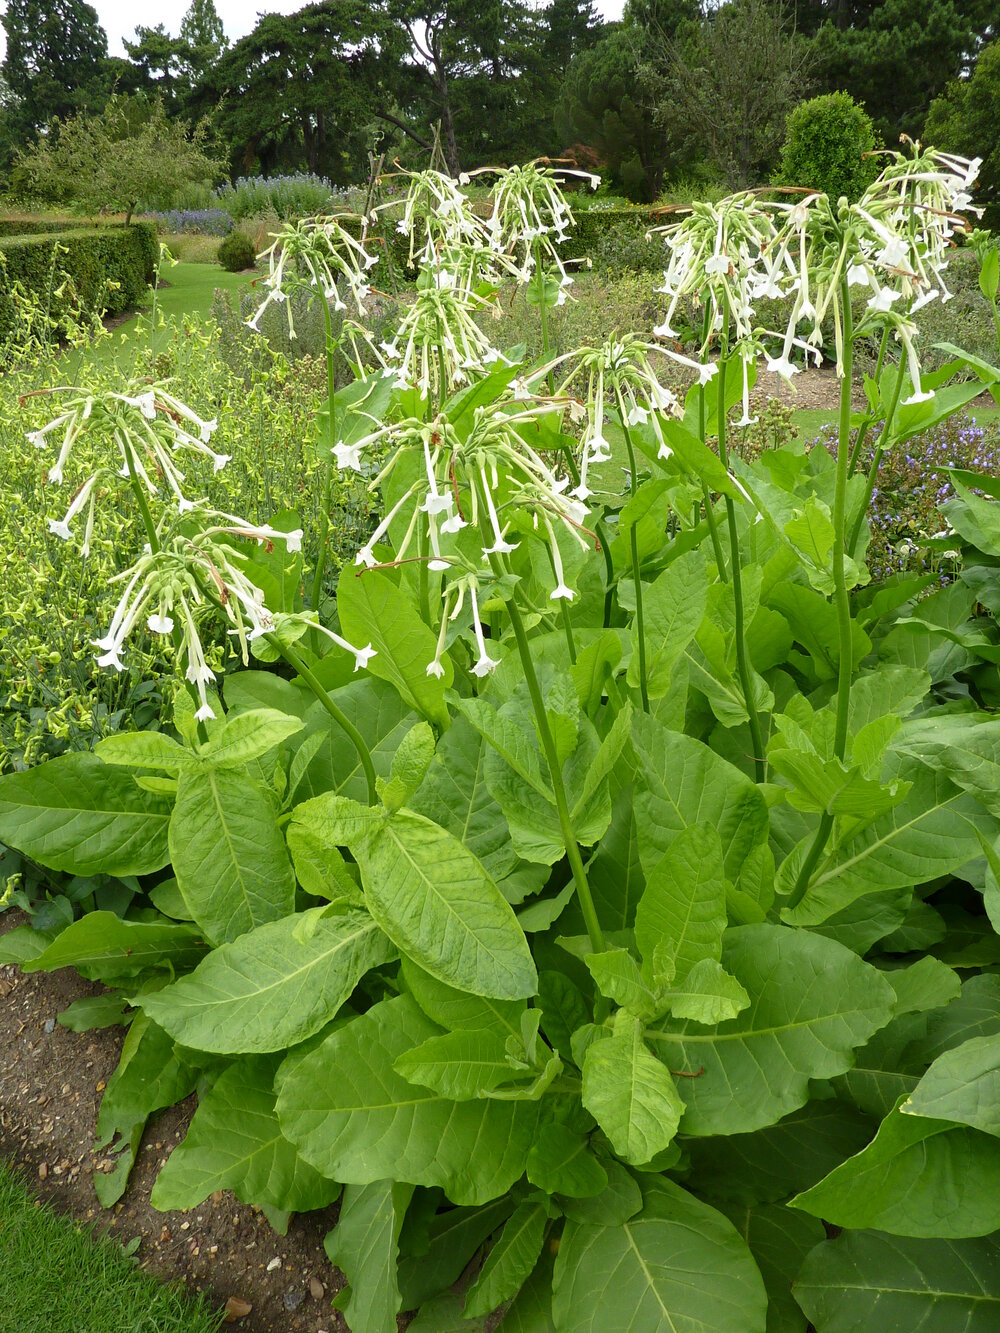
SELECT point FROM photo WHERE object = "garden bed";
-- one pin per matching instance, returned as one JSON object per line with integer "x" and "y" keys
{"x": 51, "y": 1081}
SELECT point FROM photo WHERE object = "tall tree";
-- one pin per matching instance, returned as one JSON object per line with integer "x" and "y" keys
{"x": 204, "y": 39}
{"x": 159, "y": 62}
{"x": 56, "y": 59}
{"x": 301, "y": 90}
{"x": 966, "y": 119}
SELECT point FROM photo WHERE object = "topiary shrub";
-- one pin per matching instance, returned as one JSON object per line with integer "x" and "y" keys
{"x": 237, "y": 252}
{"x": 826, "y": 139}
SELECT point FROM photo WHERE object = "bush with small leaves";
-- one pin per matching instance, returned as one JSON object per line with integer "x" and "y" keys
{"x": 827, "y": 142}
{"x": 237, "y": 252}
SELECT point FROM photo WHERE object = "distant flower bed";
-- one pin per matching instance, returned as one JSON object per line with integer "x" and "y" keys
{"x": 294, "y": 196}
{"x": 201, "y": 221}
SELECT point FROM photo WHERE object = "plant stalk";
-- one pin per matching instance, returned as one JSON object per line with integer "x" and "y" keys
{"x": 634, "y": 549}
{"x": 573, "y": 854}
{"x": 324, "y": 518}
{"x": 840, "y": 597}
{"x": 876, "y": 462}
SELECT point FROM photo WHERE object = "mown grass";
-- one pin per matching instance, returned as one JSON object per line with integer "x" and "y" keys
{"x": 56, "y": 1277}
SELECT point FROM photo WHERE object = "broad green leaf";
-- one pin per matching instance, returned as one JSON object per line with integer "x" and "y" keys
{"x": 249, "y": 735}
{"x": 630, "y": 1094}
{"x": 319, "y": 865}
{"x": 962, "y": 1085}
{"x": 435, "y": 901}
{"x": 812, "y": 1001}
{"x": 150, "y": 1076}
{"x": 510, "y": 1262}
{"x": 459, "y": 1065}
{"x": 458, "y": 1011}
{"x": 594, "y": 666}
{"x": 563, "y": 1010}
{"x": 683, "y": 908}
{"x": 531, "y": 1309}
{"x": 894, "y": 690}
{"x": 382, "y": 718}
{"x": 618, "y": 977}
{"x": 926, "y": 984}
{"x": 682, "y": 782}
{"x": 964, "y": 749}
{"x": 614, "y": 871}
{"x": 234, "y": 1143}
{"x": 989, "y": 275}
{"x": 677, "y": 1265}
{"x": 931, "y": 832}
{"x": 560, "y": 1162}
{"x": 104, "y": 947}
{"x": 673, "y": 608}
{"x": 77, "y": 814}
{"x": 708, "y": 994}
{"x": 373, "y": 610}
{"x": 274, "y": 986}
{"x": 868, "y": 1280}
{"x": 228, "y": 854}
{"x": 94, "y": 1011}
{"x": 452, "y": 1239}
{"x": 244, "y": 690}
{"x": 779, "y": 1240}
{"x": 365, "y": 1245}
{"x": 356, "y": 1120}
{"x": 144, "y": 749}
{"x": 918, "y": 1177}
{"x": 771, "y": 1163}
{"x": 454, "y": 794}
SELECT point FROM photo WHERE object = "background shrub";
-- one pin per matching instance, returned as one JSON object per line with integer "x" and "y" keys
{"x": 299, "y": 195}
{"x": 110, "y": 267}
{"x": 197, "y": 221}
{"x": 825, "y": 142}
{"x": 237, "y": 252}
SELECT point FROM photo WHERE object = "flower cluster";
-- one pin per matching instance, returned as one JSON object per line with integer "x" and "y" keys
{"x": 317, "y": 255}
{"x": 147, "y": 429}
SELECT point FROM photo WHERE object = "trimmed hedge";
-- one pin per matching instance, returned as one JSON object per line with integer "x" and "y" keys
{"x": 91, "y": 258}
{"x": 29, "y": 226}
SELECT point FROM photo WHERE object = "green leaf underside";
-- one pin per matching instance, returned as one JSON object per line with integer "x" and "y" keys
{"x": 359, "y": 1121}
{"x": 274, "y": 986}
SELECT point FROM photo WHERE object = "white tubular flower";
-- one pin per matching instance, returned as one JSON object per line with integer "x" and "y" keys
{"x": 319, "y": 256}
{"x": 485, "y": 664}
{"x": 60, "y": 527}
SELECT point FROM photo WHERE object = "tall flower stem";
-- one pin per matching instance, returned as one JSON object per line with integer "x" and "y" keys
{"x": 573, "y": 854}
{"x": 324, "y": 518}
{"x": 634, "y": 550}
{"x": 866, "y": 424}
{"x": 543, "y": 312}
{"x": 713, "y": 527}
{"x": 742, "y": 658}
{"x": 840, "y": 598}
{"x": 154, "y": 546}
{"x": 302, "y": 670}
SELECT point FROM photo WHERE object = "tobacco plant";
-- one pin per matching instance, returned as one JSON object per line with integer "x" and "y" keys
{"x": 623, "y": 910}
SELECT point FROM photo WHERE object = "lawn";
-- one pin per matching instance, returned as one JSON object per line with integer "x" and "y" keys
{"x": 106, "y": 1293}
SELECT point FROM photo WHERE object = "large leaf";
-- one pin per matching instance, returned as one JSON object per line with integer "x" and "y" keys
{"x": 234, "y": 1143}
{"x": 677, "y": 1265}
{"x": 444, "y": 1251}
{"x": 373, "y": 610}
{"x": 683, "y": 908}
{"x": 365, "y": 1246}
{"x": 918, "y": 1177}
{"x": 683, "y": 782}
{"x": 774, "y": 1162}
{"x": 779, "y": 1240}
{"x": 274, "y": 986}
{"x": 457, "y": 1010}
{"x": 228, "y": 853}
{"x": 80, "y": 815}
{"x": 962, "y": 1085}
{"x": 104, "y": 947}
{"x": 359, "y": 1121}
{"x": 812, "y": 1001}
{"x": 868, "y": 1280}
{"x": 433, "y": 898}
{"x": 673, "y": 608}
{"x": 630, "y": 1093}
{"x": 931, "y": 832}
{"x": 382, "y": 718}
{"x": 459, "y": 1065}
{"x": 454, "y": 794}
{"x": 510, "y": 1262}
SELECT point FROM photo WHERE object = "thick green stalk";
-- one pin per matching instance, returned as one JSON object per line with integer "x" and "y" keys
{"x": 713, "y": 527}
{"x": 299, "y": 666}
{"x": 840, "y": 598}
{"x": 543, "y": 311}
{"x": 866, "y": 424}
{"x": 636, "y": 572}
{"x": 324, "y": 518}
{"x": 742, "y": 658}
{"x": 573, "y": 854}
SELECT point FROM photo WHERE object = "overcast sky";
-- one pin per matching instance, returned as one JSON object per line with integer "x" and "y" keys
{"x": 119, "y": 17}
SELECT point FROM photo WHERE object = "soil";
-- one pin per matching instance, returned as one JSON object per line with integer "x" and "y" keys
{"x": 51, "y": 1080}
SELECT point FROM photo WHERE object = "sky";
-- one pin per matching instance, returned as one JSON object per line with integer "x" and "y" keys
{"x": 119, "y": 17}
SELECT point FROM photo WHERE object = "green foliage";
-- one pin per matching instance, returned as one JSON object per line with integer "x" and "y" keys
{"x": 237, "y": 252}
{"x": 967, "y": 114}
{"x": 827, "y": 140}
{"x": 107, "y": 268}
